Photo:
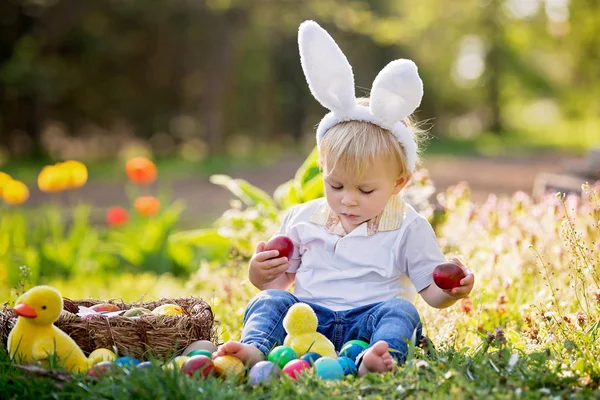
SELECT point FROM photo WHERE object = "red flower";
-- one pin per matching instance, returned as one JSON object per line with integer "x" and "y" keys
{"x": 116, "y": 216}
{"x": 141, "y": 170}
{"x": 147, "y": 205}
{"x": 466, "y": 306}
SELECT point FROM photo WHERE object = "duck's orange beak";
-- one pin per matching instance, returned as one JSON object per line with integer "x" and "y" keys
{"x": 23, "y": 310}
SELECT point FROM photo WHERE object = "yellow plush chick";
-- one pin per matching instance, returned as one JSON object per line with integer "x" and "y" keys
{"x": 300, "y": 323}
{"x": 35, "y": 338}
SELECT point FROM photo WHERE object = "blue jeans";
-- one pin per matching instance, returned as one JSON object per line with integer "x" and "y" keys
{"x": 394, "y": 321}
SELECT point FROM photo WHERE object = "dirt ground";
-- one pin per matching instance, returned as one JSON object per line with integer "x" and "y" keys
{"x": 205, "y": 201}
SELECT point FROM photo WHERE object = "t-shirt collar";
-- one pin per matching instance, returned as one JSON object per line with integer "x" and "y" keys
{"x": 390, "y": 219}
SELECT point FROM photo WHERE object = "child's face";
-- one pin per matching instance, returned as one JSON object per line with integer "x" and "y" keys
{"x": 359, "y": 199}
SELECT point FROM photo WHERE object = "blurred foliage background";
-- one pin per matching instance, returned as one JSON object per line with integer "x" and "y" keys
{"x": 194, "y": 78}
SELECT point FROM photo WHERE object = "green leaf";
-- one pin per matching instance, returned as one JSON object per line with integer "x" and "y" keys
{"x": 313, "y": 189}
{"x": 257, "y": 195}
{"x": 308, "y": 170}
{"x": 200, "y": 237}
{"x": 246, "y": 192}
{"x": 286, "y": 195}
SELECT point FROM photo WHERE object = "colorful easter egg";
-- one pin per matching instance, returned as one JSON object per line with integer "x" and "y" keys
{"x": 176, "y": 363}
{"x": 263, "y": 372}
{"x": 168, "y": 309}
{"x": 105, "y": 307}
{"x": 281, "y": 355}
{"x": 200, "y": 345}
{"x": 228, "y": 366}
{"x": 127, "y": 361}
{"x": 100, "y": 355}
{"x": 361, "y": 343}
{"x": 310, "y": 357}
{"x": 103, "y": 368}
{"x": 348, "y": 365}
{"x": 200, "y": 352}
{"x": 351, "y": 350}
{"x": 294, "y": 368}
{"x": 136, "y": 312}
{"x": 199, "y": 365}
{"x": 328, "y": 368}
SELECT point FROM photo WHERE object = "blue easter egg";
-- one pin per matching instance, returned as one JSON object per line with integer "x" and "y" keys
{"x": 347, "y": 365}
{"x": 145, "y": 364}
{"x": 310, "y": 357}
{"x": 127, "y": 361}
{"x": 328, "y": 368}
{"x": 351, "y": 350}
{"x": 263, "y": 371}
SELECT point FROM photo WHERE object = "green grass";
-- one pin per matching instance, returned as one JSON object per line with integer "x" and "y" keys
{"x": 529, "y": 329}
{"x": 511, "y": 144}
{"x": 447, "y": 374}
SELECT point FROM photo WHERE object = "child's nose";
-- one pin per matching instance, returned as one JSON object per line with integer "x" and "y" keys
{"x": 349, "y": 200}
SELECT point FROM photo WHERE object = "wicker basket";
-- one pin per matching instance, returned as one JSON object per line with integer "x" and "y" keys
{"x": 158, "y": 336}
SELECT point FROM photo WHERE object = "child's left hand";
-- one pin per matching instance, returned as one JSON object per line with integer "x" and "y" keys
{"x": 466, "y": 283}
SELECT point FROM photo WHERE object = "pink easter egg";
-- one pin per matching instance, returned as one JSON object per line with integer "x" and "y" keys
{"x": 295, "y": 367}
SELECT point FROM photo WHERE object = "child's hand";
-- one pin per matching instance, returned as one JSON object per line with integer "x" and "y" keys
{"x": 466, "y": 283}
{"x": 265, "y": 266}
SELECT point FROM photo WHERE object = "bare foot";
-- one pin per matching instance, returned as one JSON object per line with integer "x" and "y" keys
{"x": 246, "y": 353}
{"x": 376, "y": 359}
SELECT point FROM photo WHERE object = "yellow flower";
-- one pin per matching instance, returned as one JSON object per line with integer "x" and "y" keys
{"x": 15, "y": 192}
{"x": 4, "y": 179}
{"x": 76, "y": 173}
{"x": 52, "y": 178}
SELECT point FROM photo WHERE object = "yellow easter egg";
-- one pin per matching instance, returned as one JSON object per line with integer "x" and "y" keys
{"x": 228, "y": 366}
{"x": 177, "y": 362}
{"x": 168, "y": 309}
{"x": 100, "y": 355}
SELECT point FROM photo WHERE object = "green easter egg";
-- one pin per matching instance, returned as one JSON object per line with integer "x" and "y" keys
{"x": 282, "y": 355}
{"x": 200, "y": 352}
{"x": 361, "y": 343}
{"x": 136, "y": 312}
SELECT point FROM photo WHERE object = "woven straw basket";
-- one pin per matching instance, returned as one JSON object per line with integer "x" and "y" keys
{"x": 143, "y": 337}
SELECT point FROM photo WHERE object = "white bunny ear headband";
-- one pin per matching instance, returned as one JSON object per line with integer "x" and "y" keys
{"x": 396, "y": 93}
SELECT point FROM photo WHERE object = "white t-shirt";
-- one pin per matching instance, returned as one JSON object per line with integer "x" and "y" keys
{"x": 344, "y": 271}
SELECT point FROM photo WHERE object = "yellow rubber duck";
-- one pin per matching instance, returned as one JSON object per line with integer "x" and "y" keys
{"x": 300, "y": 323}
{"x": 35, "y": 338}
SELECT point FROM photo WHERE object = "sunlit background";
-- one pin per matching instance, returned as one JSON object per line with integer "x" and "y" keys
{"x": 215, "y": 86}
{"x": 147, "y": 146}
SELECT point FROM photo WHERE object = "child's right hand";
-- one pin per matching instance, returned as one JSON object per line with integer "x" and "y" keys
{"x": 265, "y": 266}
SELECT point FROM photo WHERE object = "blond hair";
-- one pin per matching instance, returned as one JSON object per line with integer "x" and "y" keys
{"x": 352, "y": 146}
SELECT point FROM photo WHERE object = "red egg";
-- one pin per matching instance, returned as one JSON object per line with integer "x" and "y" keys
{"x": 200, "y": 365}
{"x": 295, "y": 367}
{"x": 282, "y": 244}
{"x": 105, "y": 307}
{"x": 448, "y": 275}
{"x": 102, "y": 368}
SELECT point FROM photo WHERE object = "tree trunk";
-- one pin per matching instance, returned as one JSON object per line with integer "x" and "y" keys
{"x": 217, "y": 79}
{"x": 493, "y": 64}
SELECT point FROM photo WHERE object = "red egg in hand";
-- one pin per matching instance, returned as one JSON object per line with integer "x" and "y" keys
{"x": 448, "y": 275}
{"x": 282, "y": 244}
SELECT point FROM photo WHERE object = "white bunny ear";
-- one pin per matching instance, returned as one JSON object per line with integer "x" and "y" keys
{"x": 327, "y": 71}
{"x": 397, "y": 91}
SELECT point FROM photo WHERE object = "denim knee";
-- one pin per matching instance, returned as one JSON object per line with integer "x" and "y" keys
{"x": 402, "y": 308}
{"x": 395, "y": 321}
{"x": 279, "y": 299}
{"x": 263, "y": 327}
